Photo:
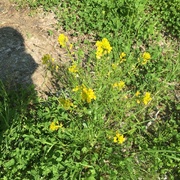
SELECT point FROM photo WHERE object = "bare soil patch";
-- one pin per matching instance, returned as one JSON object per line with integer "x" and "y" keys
{"x": 24, "y": 39}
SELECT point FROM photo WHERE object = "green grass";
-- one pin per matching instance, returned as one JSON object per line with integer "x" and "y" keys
{"x": 82, "y": 144}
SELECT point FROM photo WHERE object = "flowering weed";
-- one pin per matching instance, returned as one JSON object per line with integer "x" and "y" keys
{"x": 62, "y": 39}
{"x": 119, "y": 138}
{"x": 111, "y": 104}
{"x": 103, "y": 48}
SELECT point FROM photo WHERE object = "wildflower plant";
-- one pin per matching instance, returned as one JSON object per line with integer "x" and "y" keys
{"x": 147, "y": 98}
{"x": 73, "y": 69}
{"x": 63, "y": 39}
{"x": 54, "y": 126}
{"x": 118, "y": 138}
{"x": 108, "y": 94}
{"x": 146, "y": 57}
{"x": 66, "y": 103}
{"x": 103, "y": 48}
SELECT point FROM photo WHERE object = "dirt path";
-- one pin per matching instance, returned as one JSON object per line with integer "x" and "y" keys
{"x": 23, "y": 41}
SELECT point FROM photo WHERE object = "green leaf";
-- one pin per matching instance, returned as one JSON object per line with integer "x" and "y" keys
{"x": 9, "y": 163}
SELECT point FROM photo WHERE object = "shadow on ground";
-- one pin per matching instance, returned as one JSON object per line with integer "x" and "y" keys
{"x": 16, "y": 66}
{"x": 16, "y": 86}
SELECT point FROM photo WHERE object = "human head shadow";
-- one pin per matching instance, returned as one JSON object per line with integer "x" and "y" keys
{"x": 16, "y": 66}
{"x": 16, "y": 69}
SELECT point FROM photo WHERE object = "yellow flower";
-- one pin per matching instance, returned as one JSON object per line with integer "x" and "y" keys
{"x": 122, "y": 57}
{"x": 146, "y": 57}
{"x": 103, "y": 48}
{"x": 99, "y": 53}
{"x": 54, "y": 127}
{"x": 87, "y": 94}
{"x": 57, "y": 67}
{"x": 119, "y": 138}
{"x": 73, "y": 69}
{"x": 119, "y": 85}
{"x": 137, "y": 93}
{"x": 147, "y": 98}
{"x": 106, "y": 45}
{"x": 76, "y": 89}
{"x": 62, "y": 39}
{"x": 66, "y": 103}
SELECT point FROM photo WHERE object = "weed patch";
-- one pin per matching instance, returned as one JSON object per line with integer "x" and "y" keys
{"x": 115, "y": 113}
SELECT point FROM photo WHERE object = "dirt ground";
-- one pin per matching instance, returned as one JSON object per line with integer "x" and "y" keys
{"x": 24, "y": 39}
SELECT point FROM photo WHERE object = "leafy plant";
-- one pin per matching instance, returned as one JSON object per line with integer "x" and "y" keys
{"x": 168, "y": 13}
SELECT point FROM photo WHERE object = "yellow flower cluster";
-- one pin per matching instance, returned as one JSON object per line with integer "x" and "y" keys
{"x": 137, "y": 93}
{"x": 103, "y": 48}
{"x": 147, "y": 98}
{"x": 54, "y": 127}
{"x": 66, "y": 103}
{"x": 73, "y": 69}
{"x": 146, "y": 57}
{"x": 62, "y": 39}
{"x": 119, "y": 138}
{"x": 120, "y": 85}
{"x": 87, "y": 94}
